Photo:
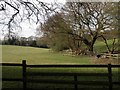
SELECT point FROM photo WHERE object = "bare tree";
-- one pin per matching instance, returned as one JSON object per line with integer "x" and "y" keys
{"x": 81, "y": 23}
{"x": 13, "y": 12}
{"x": 89, "y": 21}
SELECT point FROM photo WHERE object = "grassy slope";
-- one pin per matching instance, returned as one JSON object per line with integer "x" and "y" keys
{"x": 44, "y": 56}
{"x": 101, "y": 47}
{"x": 38, "y": 56}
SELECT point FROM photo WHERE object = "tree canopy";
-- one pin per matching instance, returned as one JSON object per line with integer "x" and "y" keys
{"x": 82, "y": 23}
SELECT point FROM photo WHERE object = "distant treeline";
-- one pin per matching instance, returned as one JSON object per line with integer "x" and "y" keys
{"x": 23, "y": 41}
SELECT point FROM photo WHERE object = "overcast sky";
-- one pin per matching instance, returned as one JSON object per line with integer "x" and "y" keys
{"x": 30, "y": 29}
{"x": 27, "y": 28}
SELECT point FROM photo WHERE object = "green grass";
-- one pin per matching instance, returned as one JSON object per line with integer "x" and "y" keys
{"x": 15, "y": 54}
{"x": 16, "y": 72}
{"x": 46, "y": 56}
{"x": 39, "y": 56}
{"x": 100, "y": 46}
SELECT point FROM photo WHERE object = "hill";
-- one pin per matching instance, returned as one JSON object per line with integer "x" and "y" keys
{"x": 39, "y": 56}
{"x": 46, "y": 56}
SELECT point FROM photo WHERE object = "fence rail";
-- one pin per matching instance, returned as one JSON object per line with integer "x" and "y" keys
{"x": 64, "y": 74}
{"x": 75, "y": 82}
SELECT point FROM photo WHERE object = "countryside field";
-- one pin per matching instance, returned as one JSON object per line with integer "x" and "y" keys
{"x": 46, "y": 56}
{"x": 15, "y": 54}
{"x": 39, "y": 56}
{"x": 59, "y": 45}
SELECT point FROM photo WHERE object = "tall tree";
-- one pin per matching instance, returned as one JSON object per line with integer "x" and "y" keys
{"x": 80, "y": 23}
{"x": 89, "y": 21}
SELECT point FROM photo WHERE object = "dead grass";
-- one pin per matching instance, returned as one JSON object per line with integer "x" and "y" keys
{"x": 105, "y": 61}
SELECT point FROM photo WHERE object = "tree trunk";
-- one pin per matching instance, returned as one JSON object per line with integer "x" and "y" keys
{"x": 90, "y": 44}
{"x": 90, "y": 48}
{"x": 105, "y": 41}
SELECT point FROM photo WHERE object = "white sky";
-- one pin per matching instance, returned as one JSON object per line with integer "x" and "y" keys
{"x": 30, "y": 29}
{"x": 27, "y": 29}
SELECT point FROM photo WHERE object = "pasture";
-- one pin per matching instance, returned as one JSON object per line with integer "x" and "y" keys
{"x": 39, "y": 56}
{"x": 15, "y": 54}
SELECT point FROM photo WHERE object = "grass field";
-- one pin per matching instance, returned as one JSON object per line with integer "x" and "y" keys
{"x": 16, "y": 72}
{"x": 101, "y": 47}
{"x": 15, "y": 54}
{"x": 39, "y": 56}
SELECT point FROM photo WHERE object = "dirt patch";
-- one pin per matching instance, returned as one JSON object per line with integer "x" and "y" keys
{"x": 105, "y": 61}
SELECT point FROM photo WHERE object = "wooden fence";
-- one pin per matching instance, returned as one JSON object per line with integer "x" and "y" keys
{"x": 75, "y": 82}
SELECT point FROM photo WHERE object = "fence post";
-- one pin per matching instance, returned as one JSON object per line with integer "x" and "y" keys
{"x": 24, "y": 74}
{"x": 110, "y": 76}
{"x": 75, "y": 79}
